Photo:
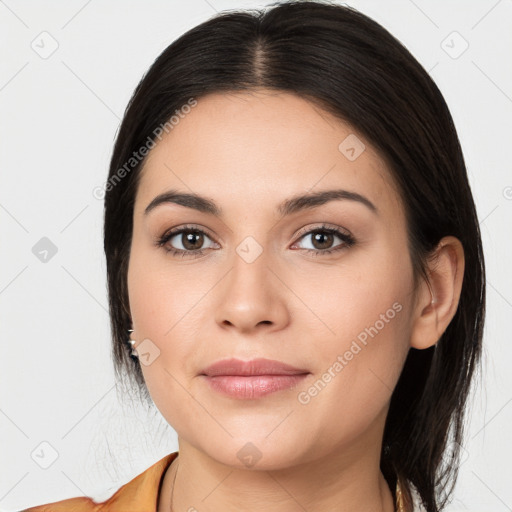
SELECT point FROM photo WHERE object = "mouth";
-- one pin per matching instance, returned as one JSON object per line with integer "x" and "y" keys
{"x": 247, "y": 380}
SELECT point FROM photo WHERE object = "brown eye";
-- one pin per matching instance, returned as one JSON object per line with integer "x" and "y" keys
{"x": 192, "y": 240}
{"x": 185, "y": 242}
{"x": 322, "y": 240}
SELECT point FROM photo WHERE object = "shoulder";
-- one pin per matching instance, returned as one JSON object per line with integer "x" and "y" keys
{"x": 70, "y": 505}
{"x": 138, "y": 495}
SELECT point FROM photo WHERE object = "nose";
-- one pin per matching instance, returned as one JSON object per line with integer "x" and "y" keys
{"x": 252, "y": 297}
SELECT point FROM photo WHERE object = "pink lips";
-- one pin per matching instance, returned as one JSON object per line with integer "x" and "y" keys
{"x": 252, "y": 379}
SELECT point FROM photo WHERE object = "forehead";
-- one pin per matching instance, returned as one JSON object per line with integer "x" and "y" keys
{"x": 260, "y": 146}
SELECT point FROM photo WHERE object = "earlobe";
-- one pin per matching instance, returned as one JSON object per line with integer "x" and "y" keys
{"x": 438, "y": 299}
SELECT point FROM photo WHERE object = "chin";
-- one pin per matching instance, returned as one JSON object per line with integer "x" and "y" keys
{"x": 259, "y": 453}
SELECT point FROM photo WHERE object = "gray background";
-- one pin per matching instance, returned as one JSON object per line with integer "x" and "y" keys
{"x": 59, "y": 115}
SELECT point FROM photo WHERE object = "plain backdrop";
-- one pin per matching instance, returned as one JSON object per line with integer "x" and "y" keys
{"x": 67, "y": 70}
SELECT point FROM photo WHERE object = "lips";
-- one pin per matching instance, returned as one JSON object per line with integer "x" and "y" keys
{"x": 254, "y": 367}
{"x": 250, "y": 380}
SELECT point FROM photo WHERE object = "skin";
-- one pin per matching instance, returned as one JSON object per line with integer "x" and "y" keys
{"x": 248, "y": 152}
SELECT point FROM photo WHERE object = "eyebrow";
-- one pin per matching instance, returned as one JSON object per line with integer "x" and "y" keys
{"x": 287, "y": 207}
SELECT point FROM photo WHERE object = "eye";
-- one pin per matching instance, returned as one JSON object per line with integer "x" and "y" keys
{"x": 188, "y": 239}
{"x": 323, "y": 237}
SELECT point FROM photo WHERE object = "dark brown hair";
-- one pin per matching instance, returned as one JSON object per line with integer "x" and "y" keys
{"x": 352, "y": 67}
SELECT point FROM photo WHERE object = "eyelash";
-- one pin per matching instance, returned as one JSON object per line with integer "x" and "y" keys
{"x": 348, "y": 241}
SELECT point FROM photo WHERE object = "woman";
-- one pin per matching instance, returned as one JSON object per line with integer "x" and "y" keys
{"x": 295, "y": 269}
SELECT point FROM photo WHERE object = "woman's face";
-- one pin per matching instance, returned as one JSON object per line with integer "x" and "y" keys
{"x": 267, "y": 285}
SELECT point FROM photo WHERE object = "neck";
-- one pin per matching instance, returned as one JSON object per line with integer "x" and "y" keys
{"x": 343, "y": 483}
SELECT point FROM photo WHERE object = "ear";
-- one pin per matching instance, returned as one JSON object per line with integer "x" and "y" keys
{"x": 437, "y": 300}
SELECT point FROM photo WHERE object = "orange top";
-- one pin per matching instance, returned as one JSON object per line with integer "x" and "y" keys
{"x": 140, "y": 494}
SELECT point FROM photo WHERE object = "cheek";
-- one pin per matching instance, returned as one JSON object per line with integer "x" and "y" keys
{"x": 360, "y": 361}
{"x": 162, "y": 296}
{"x": 164, "y": 310}
{"x": 360, "y": 299}
{"x": 356, "y": 293}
